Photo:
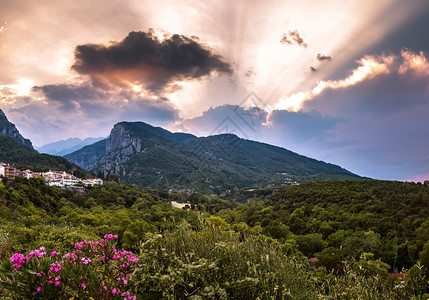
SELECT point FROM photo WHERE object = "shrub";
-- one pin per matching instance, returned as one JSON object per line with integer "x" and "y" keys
{"x": 218, "y": 263}
{"x": 94, "y": 269}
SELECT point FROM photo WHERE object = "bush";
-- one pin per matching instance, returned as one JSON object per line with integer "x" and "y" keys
{"x": 218, "y": 263}
{"x": 92, "y": 270}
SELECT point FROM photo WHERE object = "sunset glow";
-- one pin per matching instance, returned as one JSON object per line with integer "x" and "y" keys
{"x": 188, "y": 65}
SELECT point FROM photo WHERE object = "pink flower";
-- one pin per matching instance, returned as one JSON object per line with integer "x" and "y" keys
{"x": 83, "y": 285}
{"x": 18, "y": 260}
{"x": 38, "y": 289}
{"x": 86, "y": 260}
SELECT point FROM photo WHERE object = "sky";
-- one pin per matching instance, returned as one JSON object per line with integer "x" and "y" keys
{"x": 341, "y": 81}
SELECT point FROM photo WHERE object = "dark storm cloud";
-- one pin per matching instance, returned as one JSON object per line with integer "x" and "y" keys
{"x": 321, "y": 57}
{"x": 293, "y": 37}
{"x": 143, "y": 58}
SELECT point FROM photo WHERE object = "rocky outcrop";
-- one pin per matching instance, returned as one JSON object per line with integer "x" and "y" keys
{"x": 106, "y": 155}
{"x": 121, "y": 145}
{"x": 9, "y": 129}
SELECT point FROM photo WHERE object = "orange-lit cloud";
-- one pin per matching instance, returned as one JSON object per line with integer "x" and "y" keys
{"x": 369, "y": 67}
{"x": 414, "y": 62}
{"x": 145, "y": 59}
{"x": 9, "y": 93}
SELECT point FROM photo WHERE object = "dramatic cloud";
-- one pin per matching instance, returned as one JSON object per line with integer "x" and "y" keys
{"x": 91, "y": 101}
{"x": 409, "y": 64}
{"x": 9, "y": 93}
{"x": 84, "y": 110}
{"x": 143, "y": 59}
{"x": 369, "y": 67}
{"x": 293, "y": 37}
{"x": 321, "y": 57}
{"x": 366, "y": 116}
{"x": 382, "y": 111}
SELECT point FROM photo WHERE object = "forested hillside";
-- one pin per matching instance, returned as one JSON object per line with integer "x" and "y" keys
{"x": 224, "y": 248}
{"x": 389, "y": 219}
{"x": 141, "y": 154}
{"x": 23, "y": 157}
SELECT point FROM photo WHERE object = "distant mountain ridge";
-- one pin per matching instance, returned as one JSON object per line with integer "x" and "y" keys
{"x": 152, "y": 156}
{"x": 7, "y": 128}
{"x": 70, "y": 145}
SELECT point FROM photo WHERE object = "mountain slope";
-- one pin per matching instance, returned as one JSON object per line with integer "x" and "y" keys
{"x": 262, "y": 157}
{"x": 18, "y": 151}
{"x": 152, "y": 156}
{"x": 9, "y": 129}
{"x": 65, "y": 147}
{"x": 22, "y": 157}
{"x": 88, "y": 155}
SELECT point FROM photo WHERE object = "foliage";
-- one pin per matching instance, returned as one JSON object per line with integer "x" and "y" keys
{"x": 216, "y": 263}
{"x": 91, "y": 270}
{"x": 386, "y": 218}
{"x": 23, "y": 157}
{"x": 359, "y": 230}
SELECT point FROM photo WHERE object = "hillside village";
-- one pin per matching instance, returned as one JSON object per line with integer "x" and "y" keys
{"x": 52, "y": 178}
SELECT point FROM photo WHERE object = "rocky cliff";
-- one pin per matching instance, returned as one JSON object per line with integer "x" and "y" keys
{"x": 119, "y": 148}
{"x": 9, "y": 129}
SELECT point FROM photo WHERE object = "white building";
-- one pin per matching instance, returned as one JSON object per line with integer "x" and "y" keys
{"x": 93, "y": 181}
{"x": 61, "y": 179}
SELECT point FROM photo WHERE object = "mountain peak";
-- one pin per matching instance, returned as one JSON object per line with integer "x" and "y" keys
{"x": 7, "y": 128}
{"x": 2, "y": 115}
{"x": 139, "y": 153}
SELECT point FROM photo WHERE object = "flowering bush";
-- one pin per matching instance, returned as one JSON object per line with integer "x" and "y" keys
{"x": 94, "y": 269}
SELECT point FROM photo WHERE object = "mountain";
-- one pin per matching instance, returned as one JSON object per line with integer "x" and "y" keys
{"x": 23, "y": 157}
{"x": 9, "y": 129}
{"x": 64, "y": 147}
{"x": 152, "y": 156}
{"x": 18, "y": 151}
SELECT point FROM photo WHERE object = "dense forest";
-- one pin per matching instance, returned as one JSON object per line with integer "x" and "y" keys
{"x": 256, "y": 244}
